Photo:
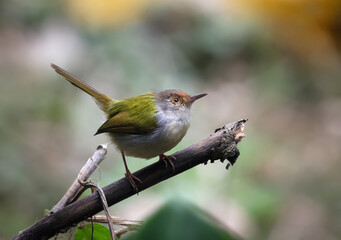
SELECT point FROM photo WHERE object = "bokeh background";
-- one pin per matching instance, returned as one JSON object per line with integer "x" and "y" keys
{"x": 276, "y": 62}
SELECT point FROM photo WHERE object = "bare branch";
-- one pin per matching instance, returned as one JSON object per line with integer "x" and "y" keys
{"x": 104, "y": 205}
{"x": 220, "y": 145}
{"x": 115, "y": 220}
{"x": 124, "y": 224}
{"x": 83, "y": 175}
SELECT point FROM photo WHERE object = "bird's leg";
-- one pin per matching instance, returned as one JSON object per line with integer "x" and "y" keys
{"x": 167, "y": 159}
{"x": 131, "y": 178}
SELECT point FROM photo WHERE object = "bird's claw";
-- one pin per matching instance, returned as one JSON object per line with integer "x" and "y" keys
{"x": 167, "y": 159}
{"x": 132, "y": 180}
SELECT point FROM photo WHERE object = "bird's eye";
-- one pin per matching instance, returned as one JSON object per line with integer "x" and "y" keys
{"x": 176, "y": 100}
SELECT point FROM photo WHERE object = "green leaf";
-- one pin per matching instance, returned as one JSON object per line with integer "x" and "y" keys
{"x": 181, "y": 220}
{"x": 100, "y": 232}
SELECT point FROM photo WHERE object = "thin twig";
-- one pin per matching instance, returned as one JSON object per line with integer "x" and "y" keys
{"x": 104, "y": 204}
{"x": 115, "y": 220}
{"x": 120, "y": 232}
{"x": 92, "y": 230}
{"x": 124, "y": 224}
{"x": 76, "y": 188}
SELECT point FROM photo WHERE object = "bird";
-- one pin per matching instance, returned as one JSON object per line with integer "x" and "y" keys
{"x": 143, "y": 126}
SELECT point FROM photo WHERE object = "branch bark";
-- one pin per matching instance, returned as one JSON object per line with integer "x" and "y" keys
{"x": 83, "y": 175}
{"x": 220, "y": 145}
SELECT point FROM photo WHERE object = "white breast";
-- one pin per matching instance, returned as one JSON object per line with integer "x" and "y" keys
{"x": 169, "y": 133}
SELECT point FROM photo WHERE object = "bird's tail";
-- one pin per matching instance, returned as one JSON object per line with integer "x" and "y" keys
{"x": 101, "y": 99}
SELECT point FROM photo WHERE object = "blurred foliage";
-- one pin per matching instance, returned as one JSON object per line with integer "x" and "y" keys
{"x": 181, "y": 220}
{"x": 275, "y": 62}
{"x": 107, "y": 13}
{"x": 95, "y": 232}
{"x": 310, "y": 28}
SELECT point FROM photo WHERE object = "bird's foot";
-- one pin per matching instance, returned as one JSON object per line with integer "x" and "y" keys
{"x": 132, "y": 180}
{"x": 167, "y": 159}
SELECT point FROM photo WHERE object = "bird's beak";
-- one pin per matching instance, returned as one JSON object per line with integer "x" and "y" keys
{"x": 195, "y": 97}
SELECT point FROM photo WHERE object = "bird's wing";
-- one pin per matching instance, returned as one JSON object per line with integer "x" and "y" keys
{"x": 122, "y": 123}
{"x": 134, "y": 116}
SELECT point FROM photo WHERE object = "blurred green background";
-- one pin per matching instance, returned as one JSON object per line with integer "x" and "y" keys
{"x": 277, "y": 63}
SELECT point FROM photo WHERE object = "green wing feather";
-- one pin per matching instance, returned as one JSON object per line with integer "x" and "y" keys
{"x": 136, "y": 115}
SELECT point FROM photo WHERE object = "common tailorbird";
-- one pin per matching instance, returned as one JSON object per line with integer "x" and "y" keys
{"x": 144, "y": 126}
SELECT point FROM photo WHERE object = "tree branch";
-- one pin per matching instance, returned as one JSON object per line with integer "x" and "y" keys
{"x": 220, "y": 145}
{"x": 76, "y": 187}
